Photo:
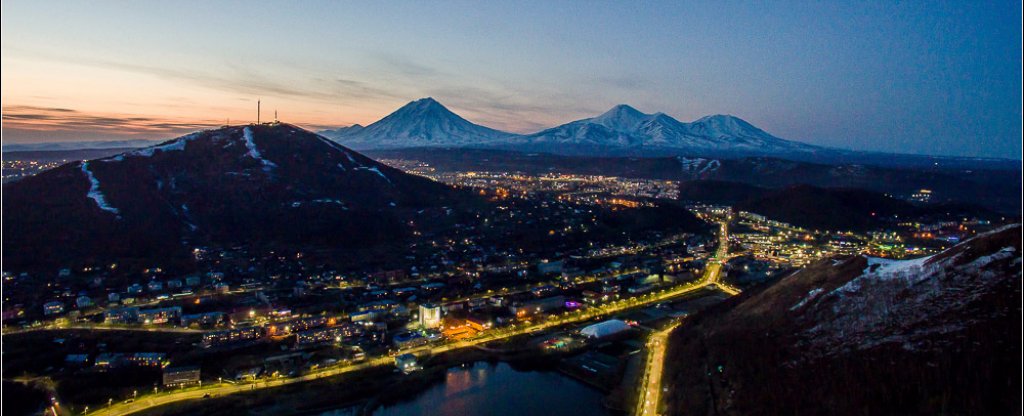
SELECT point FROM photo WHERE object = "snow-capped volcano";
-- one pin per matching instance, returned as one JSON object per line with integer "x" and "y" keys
{"x": 427, "y": 123}
{"x": 625, "y": 126}
{"x": 621, "y": 118}
{"x": 421, "y": 123}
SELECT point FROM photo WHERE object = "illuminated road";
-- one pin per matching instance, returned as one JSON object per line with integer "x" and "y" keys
{"x": 52, "y": 326}
{"x": 103, "y": 327}
{"x": 708, "y": 279}
{"x": 650, "y": 386}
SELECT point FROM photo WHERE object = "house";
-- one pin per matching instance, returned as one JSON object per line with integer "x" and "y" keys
{"x": 83, "y": 302}
{"x": 121, "y": 316}
{"x": 53, "y": 308}
{"x": 181, "y": 376}
{"x": 538, "y": 306}
{"x": 406, "y": 363}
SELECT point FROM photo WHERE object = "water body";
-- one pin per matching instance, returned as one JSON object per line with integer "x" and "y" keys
{"x": 486, "y": 389}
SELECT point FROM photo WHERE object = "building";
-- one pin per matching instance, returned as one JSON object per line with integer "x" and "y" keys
{"x": 604, "y": 329}
{"x": 461, "y": 328}
{"x": 295, "y": 325}
{"x": 405, "y": 340}
{"x": 550, "y": 267}
{"x": 923, "y": 195}
{"x": 159, "y": 315}
{"x": 135, "y": 289}
{"x": 121, "y": 316}
{"x": 202, "y": 319}
{"x": 108, "y": 360}
{"x": 76, "y": 359}
{"x": 181, "y": 376}
{"x": 538, "y": 306}
{"x": 430, "y": 315}
{"x": 83, "y": 302}
{"x": 478, "y": 323}
{"x": 328, "y": 335}
{"x": 366, "y": 316}
{"x": 53, "y": 308}
{"x": 232, "y": 335}
{"x": 146, "y": 359}
{"x": 406, "y": 363}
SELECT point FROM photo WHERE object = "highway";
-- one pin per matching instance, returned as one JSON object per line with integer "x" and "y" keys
{"x": 708, "y": 279}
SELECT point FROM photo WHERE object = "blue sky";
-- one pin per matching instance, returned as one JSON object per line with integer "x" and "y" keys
{"x": 912, "y": 77}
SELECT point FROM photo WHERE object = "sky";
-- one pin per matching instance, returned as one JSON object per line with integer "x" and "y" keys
{"x": 939, "y": 78}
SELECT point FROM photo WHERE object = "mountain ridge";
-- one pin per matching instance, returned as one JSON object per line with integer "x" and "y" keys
{"x": 428, "y": 123}
{"x": 660, "y": 135}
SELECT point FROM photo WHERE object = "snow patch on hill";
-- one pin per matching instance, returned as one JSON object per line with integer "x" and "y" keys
{"x": 175, "y": 145}
{"x": 339, "y": 148}
{"x": 902, "y": 301}
{"x": 374, "y": 169}
{"x": 94, "y": 191}
{"x": 253, "y": 152}
{"x": 698, "y": 166}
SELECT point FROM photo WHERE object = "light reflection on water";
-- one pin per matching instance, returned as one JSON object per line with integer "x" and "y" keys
{"x": 498, "y": 390}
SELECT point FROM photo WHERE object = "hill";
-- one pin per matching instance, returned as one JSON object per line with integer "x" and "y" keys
{"x": 265, "y": 184}
{"x": 856, "y": 335}
{"x": 840, "y": 209}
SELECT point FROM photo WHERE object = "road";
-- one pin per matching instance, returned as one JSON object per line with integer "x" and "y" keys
{"x": 649, "y": 398}
{"x": 52, "y": 326}
{"x": 708, "y": 279}
{"x": 104, "y": 327}
{"x": 650, "y": 386}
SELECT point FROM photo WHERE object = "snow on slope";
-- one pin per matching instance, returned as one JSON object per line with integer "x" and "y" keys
{"x": 903, "y": 302}
{"x": 697, "y": 166}
{"x": 253, "y": 152}
{"x": 169, "y": 146}
{"x": 94, "y": 191}
{"x": 338, "y": 147}
{"x": 374, "y": 169}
